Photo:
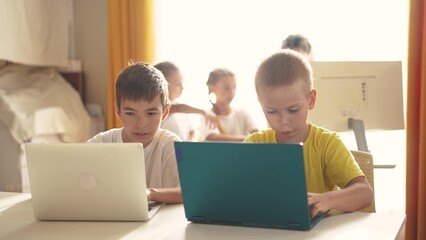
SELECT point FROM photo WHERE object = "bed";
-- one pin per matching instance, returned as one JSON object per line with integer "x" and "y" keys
{"x": 37, "y": 104}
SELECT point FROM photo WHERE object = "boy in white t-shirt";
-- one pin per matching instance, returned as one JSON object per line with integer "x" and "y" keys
{"x": 141, "y": 105}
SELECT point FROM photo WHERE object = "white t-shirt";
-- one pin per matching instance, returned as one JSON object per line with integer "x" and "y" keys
{"x": 237, "y": 122}
{"x": 160, "y": 159}
{"x": 180, "y": 124}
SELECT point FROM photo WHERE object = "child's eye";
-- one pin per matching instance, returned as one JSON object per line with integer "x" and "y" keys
{"x": 293, "y": 110}
{"x": 129, "y": 113}
{"x": 152, "y": 113}
{"x": 271, "y": 112}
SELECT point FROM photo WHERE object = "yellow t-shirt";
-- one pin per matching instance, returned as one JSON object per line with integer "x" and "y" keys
{"x": 328, "y": 163}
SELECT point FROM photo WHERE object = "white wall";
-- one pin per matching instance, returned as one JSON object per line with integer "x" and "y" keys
{"x": 34, "y": 32}
{"x": 91, "y": 39}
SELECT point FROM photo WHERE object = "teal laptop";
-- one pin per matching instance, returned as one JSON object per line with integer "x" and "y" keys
{"x": 244, "y": 184}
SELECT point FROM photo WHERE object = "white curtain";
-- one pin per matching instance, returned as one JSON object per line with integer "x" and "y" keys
{"x": 34, "y": 32}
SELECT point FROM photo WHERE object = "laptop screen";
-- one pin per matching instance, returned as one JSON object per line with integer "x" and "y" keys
{"x": 249, "y": 184}
{"x": 88, "y": 181}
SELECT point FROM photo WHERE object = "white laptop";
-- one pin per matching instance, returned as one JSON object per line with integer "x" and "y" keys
{"x": 88, "y": 181}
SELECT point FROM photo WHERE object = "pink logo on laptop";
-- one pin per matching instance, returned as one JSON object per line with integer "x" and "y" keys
{"x": 87, "y": 181}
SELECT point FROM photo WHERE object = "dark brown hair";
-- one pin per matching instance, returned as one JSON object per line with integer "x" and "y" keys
{"x": 141, "y": 81}
{"x": 297, "y": 42}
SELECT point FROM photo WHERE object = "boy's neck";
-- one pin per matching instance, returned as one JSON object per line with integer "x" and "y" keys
{"x": 221, "y": 109}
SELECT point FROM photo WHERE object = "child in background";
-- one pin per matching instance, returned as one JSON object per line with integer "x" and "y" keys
{"x": 285, "y": 92}
{"x": 141, "y": 105}
{"x": 178, "y": 120}
{"x": 300, "y": 44}
{"x": 234, "y": 124}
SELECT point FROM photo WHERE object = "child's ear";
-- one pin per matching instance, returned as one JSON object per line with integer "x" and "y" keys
{"x": 312, "y": 98}
{"x": 117, "y": 110}
{"x": 166, "y": 112}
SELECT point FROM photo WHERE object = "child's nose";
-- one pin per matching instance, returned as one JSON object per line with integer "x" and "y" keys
{"x": 141, "y": 122}
{"x": 284, "y": 119}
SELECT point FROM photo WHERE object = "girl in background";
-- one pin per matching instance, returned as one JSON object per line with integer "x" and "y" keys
{"x": 234, "y": 124}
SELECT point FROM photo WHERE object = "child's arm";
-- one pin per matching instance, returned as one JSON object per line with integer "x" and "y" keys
{"x": 225, "y": 137}
{"x": 165, "y": 195}
{"x": 211, "y": 118}
{"x": 355, "y": 196}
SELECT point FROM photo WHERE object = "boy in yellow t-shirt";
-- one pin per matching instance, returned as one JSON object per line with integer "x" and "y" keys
{"x": 285, "y": 92}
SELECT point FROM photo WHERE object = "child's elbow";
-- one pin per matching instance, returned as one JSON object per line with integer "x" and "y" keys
{"x": 368, "y": 197}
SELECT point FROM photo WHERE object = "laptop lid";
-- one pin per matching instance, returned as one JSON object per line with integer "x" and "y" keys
{"x": 247, "y": 184}
{"x": 88, "y": 181}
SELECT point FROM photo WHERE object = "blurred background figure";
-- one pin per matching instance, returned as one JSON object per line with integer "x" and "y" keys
{"x": 234, "y": 124}
{"x": 179, "y": 120}
{"x": 299, "y": 43}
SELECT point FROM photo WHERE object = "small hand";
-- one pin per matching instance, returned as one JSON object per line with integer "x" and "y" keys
{"x": 148, "y": 194}
{"x": 318, "y": 202}
{"x": 211, "y": 119}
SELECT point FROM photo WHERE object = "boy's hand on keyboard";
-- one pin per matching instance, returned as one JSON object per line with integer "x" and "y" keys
{"x": 318, "y": 202}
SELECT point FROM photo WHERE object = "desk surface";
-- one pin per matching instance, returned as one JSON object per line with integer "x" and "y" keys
{"x": 17, "y": 222}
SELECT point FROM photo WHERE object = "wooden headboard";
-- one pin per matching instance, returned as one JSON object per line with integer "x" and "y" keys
{"x": 76, "y": 80}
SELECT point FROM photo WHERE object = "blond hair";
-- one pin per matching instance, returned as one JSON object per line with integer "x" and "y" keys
{"x": 284, "y": 68}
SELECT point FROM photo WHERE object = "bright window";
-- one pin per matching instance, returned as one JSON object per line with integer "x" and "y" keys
{"x": 199, "y": 36}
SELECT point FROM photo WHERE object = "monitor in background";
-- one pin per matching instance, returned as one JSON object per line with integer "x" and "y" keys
{"x": 369, "y": 91}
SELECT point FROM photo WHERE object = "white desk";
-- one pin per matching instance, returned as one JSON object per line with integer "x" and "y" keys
{"x": 17, "y": 222}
